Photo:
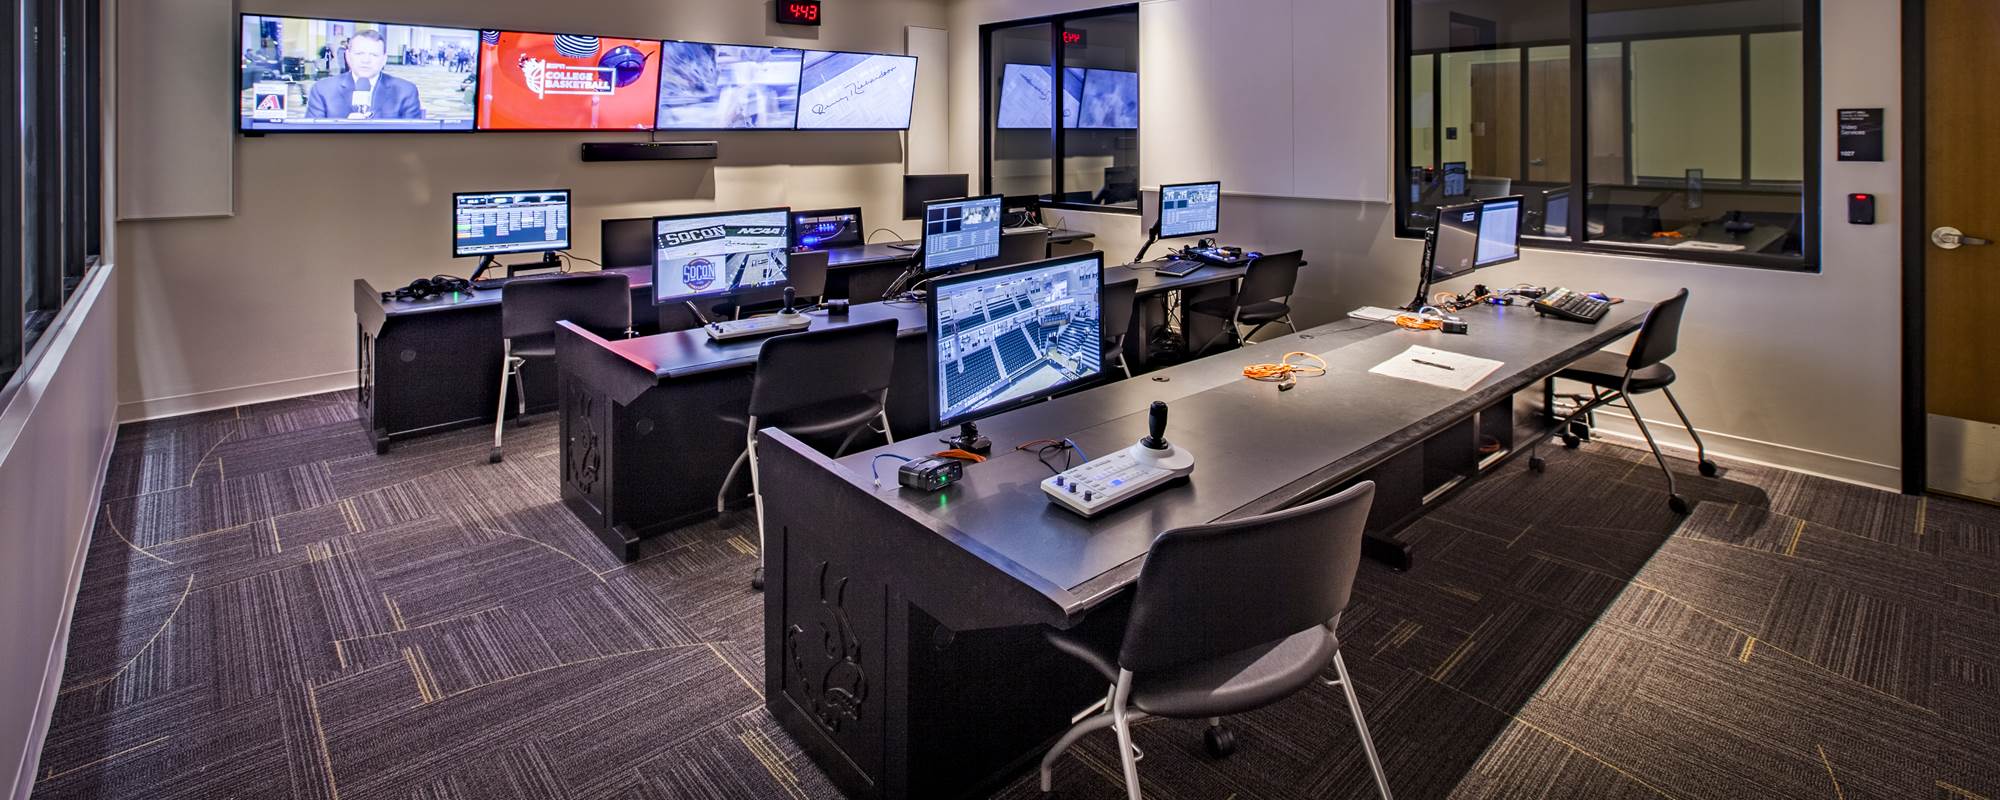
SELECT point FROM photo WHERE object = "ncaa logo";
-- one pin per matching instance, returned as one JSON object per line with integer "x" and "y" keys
{"x": 698, "y": 274}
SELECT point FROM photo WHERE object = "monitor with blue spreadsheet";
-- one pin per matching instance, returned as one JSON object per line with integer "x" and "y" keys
{"x": 961, "y": 231}
{"x": 1008, "y": 337}
{"x": 497, "y": 223}
{"x": 1190, "y": 209}
{"x": 1499, "y": 231}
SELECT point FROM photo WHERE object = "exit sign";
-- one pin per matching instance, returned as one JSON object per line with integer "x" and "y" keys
{"x": 1071, "y": 38}
{"x": 798, "y": 12}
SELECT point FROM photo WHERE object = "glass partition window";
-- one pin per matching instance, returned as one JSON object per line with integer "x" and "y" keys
{"x": 1067, "y": 134}
{"x": 1673, "y": 128}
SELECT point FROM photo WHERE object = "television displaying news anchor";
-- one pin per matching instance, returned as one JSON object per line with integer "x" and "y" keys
{"x": 364, "y": 91}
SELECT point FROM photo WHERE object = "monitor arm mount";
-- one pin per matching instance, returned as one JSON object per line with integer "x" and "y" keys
{"x": 1152, "y": 236}
{"x": 898, "y": 286}
{"x": 488, "y": 261}
{"x": 1424, "y": 277}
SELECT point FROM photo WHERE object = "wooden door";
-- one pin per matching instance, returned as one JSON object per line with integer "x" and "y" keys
{"x": 1962, "y": 323}
{"x": 1548, "y": 120}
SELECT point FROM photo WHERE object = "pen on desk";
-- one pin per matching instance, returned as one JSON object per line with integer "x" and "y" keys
{"x": 1429, "y": 364}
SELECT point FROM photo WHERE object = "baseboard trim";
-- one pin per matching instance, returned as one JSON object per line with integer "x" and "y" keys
{"x": 52, "y": 671}
{"x": 1831, "y": 466}
{"x": 197, "y": 402}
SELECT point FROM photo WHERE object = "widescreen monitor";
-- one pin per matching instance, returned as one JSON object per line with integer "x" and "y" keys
{"x": 708, "y": 255}
{"x": 1456, "y": 251}
{"x": 961, "y": 231}
{"x": 1190, "y": 209}
{"x": 1025, "y": 94}
{"x": 856, "y": 91}
{"x": 627, "y": 242}
{"x": 1555, "y": 213}
{"x": 921, "y": 189}
{"x": 497, "y": 223}
{"x": 1007, "y": 337}
{"x": 299, "y": 74}
{"x": 1110, "y": 99}
{"x": 708, "y": 87}
{"x": 827, "y": 228}
{"x": 1499, "y": 231}
{"x": 564, "y": 82}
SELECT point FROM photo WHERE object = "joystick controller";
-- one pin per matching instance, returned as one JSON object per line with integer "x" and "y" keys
{"x": 791, "y": 308}
{"x": 1092, "y": 488}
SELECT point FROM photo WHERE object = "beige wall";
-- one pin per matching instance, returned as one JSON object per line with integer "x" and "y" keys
{"x": 258, "y": 305}
{"x": 1798, "y": 370}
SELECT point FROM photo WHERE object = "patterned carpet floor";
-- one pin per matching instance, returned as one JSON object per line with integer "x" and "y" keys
{"x": 270, "y": 610}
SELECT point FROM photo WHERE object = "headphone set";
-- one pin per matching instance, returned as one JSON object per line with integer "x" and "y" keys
{"x": 427, "y": 288}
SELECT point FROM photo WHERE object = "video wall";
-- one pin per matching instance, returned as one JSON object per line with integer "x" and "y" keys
{"x": 299, "y": 74}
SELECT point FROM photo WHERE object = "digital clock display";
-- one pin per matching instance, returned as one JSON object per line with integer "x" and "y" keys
{"x": 798, "y": 12}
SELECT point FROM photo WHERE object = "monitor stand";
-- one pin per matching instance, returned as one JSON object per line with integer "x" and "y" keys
{"x": 549, "y": 261}
{"x": 1152, "y": 236}
{"x": 969, "y": 440}
{"x": 1424, "y": 279}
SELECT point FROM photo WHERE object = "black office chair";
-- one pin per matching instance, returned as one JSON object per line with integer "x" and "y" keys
{"x": 1226, "y": 618}
{"x": 1616, "y": 378}
{"x": 813, "y": 384}
{"x": 601, "y": 302}
{"x": 1020, "y": 248}
{"x": 1120, "y": 299}
{"x": 1263, "y": 296}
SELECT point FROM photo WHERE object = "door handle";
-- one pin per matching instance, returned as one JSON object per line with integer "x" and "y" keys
{"x": 1950, "y": 238}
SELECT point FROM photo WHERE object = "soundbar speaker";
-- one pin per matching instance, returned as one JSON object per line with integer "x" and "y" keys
{"x": 648, "y": 151}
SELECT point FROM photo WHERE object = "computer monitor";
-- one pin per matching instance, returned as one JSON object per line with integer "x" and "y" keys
{"x": 1190, "y": 209}
{"x": 1007, "y": 337}
{"x": 1456, "y": 251}
{"x": 827, "y": 228}
{"x": 489, "y": 224}
{"x": 1555, "y": 213}
{"x": 715, "y": 254}
{"x": 1455, "y": 174}
{"x": 921, "y": 189}
{"x": 627, "y": 242}
{"x": 1499, "y": 231}
{"x": 961, "y": 231}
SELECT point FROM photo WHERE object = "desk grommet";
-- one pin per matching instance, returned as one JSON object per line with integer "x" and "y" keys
{"x": 1161, "y": 379}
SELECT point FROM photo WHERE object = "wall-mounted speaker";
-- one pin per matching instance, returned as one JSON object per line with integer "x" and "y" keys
{"x": 648, "y": 151}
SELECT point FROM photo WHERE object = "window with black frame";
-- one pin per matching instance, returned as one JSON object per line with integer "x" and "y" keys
{"x": 1061, "y": 101}
{"x": 52, "y": 138}
{"x": 1669, "y": 128}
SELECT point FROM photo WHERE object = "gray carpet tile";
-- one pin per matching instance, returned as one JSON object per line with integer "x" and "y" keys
{"x": 271, "y": 610}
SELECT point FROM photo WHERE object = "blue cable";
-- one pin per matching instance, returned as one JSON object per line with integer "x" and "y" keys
{"x": 1079, "y": 450}
{"x": 874, "y": 465}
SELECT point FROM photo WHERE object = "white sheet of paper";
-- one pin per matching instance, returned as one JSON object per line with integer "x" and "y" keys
{"x": 1438, "y": 368}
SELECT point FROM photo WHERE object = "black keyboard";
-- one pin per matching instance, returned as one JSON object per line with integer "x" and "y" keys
{"x": 1572, "y": 306}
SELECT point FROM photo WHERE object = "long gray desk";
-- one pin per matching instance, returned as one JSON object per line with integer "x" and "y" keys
{"x": 432, "y": 365}
{"x": 902, "y": 645}
{"x": 644, "y": 447}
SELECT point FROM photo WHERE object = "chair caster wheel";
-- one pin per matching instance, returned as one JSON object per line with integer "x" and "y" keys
{"x": 493, "y": 456}
{"x": 1220, "y": 742}
{"x": 1538, "y": 464}
{"x": 1580, "y": 430}
{"x": 1679, "y": 504}
{"x": 522, "y": 421}
{"x": 1571, "y": 441}
{"x": 1708, "y": 469}
{"x": 757, "y": 579}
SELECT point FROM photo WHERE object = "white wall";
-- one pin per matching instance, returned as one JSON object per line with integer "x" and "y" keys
{"x": 1794, "y": 369}
{"x": 55, "y": 436}
{"x": 258, "y": 305}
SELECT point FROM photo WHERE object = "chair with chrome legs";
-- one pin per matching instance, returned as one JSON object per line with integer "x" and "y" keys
{"x": 600, "y": 302}
{"x": 1226, "y": 618}
{"x": 1617, "y": 379}
{"x": 1116, "y": 321}
{"x": 814, "y": 384}
{"x": 1263, "y": 296}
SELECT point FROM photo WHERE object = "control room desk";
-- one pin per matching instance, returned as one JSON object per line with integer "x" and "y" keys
{"x": 902, "y": 630}
{"x": 432, "y": 365}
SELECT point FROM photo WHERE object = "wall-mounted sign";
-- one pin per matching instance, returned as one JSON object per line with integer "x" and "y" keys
{"x": 1860, "y": 134}
{"x": 798, "y": 12}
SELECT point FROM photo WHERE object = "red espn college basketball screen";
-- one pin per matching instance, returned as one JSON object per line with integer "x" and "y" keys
{"x": 542, "y": 81}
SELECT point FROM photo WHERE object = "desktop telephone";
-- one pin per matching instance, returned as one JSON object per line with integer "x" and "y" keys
{"x": 1572, "y": 306}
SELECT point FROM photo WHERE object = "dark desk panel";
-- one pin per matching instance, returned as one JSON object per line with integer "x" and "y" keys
{"x": 937, "y": 599}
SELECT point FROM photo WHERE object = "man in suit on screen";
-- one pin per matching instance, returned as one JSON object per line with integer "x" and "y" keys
{"x": 364, "y": 91}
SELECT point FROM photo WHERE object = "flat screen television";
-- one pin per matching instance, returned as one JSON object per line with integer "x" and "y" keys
{"x": 709, "y": 87}
{"x": 1110, "y": 99}
{"x": 856, "y": 91}
{"x": 1025, "y": 94}
{"x": 301, "y": 74}
{"x": 566, "y": 82}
